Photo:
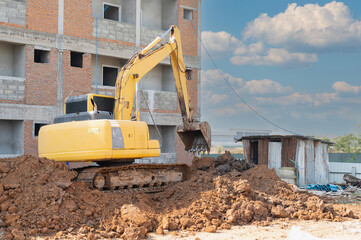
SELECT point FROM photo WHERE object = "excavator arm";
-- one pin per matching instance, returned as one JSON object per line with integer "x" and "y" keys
{"x": 195, "y": 135}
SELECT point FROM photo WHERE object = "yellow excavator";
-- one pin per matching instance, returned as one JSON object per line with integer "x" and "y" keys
{"x": 106, "y": 130}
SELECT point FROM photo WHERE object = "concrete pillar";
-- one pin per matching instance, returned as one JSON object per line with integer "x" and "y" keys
{"x": 199, "y": 54}
{"x": 61, "y": 17}
{"x": 60, "y": 48}
{"x": 137, "y": 22}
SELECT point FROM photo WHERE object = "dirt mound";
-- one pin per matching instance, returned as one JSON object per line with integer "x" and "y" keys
{"x": 204, "y": 163}
{"x": 227, "y": 163}
{"x": 221, "y": 165}
{"x": 39, "y": 198}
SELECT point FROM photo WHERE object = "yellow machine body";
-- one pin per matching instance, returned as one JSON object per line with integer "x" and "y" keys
{"x": 100, "y": 128}
{"x": 97, "y": 140}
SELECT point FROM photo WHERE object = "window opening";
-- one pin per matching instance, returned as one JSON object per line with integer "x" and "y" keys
{"x": 37, "y": 127}
{"x": 189, "y": 74}
{"x": 41, "y": 56}
{"x": 188, "y": 14}
{"x": 76, "y": 59}
{"x": 112, "y": 12}
{"x": 110, "y": 76}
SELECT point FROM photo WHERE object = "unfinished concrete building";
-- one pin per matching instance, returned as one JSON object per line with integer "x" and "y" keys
{"x": 52, "y": 49}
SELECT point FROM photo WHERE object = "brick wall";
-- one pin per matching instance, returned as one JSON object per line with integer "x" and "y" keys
{"x": 190, "y": 47}
{"x": 189, "y": 35}
{"x": 42, "y": 15}
{"x": 41, "y": 79}
{"x": 76, "y": 79}
{"x": 13, "y": 12}
{"x": 30, "y": 143}
{"x": 78, "y": 18}
{"x": 193, "y": 89}
{"x": 183, "y": 156}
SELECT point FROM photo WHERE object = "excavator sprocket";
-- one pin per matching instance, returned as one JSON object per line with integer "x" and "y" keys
{"x": 133, "y": 177}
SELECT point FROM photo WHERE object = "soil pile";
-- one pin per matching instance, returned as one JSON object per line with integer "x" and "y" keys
{"x": 39, "y": 198}
{"x": 221, "y": 165}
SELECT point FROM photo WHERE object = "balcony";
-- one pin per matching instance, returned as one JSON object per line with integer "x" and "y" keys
{"x": 156, "y": 17}
{"x": 13, "y": 12}
{"x": 12, "y": 88}
{"x": 12, "y": 71}
{"x": 114, "y": 30}
{"x": 158, "y": 100}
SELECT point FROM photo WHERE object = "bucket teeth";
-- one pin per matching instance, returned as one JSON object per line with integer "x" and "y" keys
{"x": 197, "y": 138}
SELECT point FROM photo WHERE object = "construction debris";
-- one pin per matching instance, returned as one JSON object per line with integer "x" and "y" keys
{"x": 351, "y": 180}
{"x": 38, "y": 198}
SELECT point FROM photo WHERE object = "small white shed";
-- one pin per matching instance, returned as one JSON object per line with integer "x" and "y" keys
{"x": 308, "y": 155}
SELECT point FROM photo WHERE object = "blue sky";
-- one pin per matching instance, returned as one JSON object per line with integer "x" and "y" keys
{"x": 298, "y": 63}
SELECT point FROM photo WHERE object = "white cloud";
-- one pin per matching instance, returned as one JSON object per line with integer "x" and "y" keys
{"x": 225, "y": 111}
{"x": 232, "y": 110}
{"x": 218, "y": 98}
{"x": 301, "y": 98}
{"x": 219, "y": 44}
{"x": 254, "y": 48}
{"x": 273, "y": 56}
{"x": 322, "y": 114}
{"x": 308, "y": 27}
{"x": 213, "y": 77}
{"x": 265, "y": 86}
{"x": 244, "y": 108}
{"x": 342, "y": 86}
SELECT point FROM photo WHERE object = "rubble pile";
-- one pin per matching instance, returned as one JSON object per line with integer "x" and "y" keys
{"x": 352, "y": 181}
{"x": 353, "y": 187}
{"x": 38, "y": 198}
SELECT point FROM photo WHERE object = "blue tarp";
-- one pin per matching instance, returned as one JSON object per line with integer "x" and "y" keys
{"x": 327, "y": 187}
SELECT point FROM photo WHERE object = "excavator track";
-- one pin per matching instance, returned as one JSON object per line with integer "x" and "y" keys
{"x": 133, "y": 177}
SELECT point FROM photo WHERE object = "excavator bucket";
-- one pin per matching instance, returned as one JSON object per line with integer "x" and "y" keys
{"x": 198, "y": 138}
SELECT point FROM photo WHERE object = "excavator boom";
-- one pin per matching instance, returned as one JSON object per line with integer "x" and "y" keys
{"x": 195, "y": 135}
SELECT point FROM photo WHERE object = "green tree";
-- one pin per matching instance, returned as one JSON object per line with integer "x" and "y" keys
{"x": 219, "y": 149}
{"x": 350, "y": 143}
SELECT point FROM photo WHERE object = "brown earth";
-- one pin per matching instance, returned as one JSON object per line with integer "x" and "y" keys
{"x": 38, "y": 198}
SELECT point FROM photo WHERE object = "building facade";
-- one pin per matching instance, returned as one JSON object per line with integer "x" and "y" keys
{"x": 50, "y": 50}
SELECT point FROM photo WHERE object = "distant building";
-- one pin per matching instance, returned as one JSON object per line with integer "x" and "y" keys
{"x": 227, "y": 138}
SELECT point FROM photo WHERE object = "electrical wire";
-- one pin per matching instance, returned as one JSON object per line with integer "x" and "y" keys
{"x": 235, "y": 92}
{"x": 151, "y": 115}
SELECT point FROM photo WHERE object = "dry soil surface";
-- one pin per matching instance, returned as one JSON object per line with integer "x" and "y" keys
{"x": 38, "y": 198}
{"x": 349, "y": 230}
